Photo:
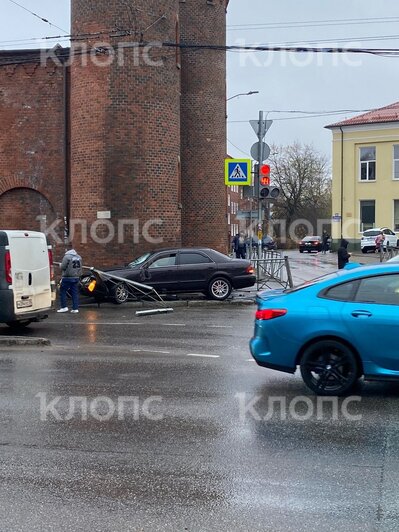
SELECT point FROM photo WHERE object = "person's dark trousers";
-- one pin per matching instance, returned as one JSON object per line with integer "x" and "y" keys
{"x": 241, "y": 253}
{"x": 69, "y": 283}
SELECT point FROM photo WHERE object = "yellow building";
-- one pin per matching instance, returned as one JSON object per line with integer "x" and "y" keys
{"x": 365, "y": 186}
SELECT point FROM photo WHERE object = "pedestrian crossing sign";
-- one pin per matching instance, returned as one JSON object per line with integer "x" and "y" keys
{"x": 238, "y": 172}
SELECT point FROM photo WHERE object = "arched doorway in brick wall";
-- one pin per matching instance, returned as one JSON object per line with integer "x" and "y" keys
{"x": 28, "y": 209}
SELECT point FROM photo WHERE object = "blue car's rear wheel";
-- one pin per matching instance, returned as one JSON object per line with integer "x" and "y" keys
{"x": 329, "y": 367}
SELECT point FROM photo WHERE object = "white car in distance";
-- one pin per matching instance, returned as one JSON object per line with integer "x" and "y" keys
{"x": 367, "y": 242}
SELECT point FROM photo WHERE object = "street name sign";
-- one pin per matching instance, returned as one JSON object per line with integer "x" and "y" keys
{"x": 246, "y": 215}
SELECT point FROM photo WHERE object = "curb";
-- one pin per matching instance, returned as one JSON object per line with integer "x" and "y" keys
{"x": 236, "y": 301}
{"x": 22, "y": 340}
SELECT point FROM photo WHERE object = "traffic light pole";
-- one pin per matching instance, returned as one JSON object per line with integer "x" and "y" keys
{"x": 261, "y": 134}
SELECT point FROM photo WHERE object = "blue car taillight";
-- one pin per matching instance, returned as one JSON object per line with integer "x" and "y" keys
{"x": 270, "y": 313}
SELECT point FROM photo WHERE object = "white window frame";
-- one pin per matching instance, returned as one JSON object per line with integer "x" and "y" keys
{"x": 367, "y": 163}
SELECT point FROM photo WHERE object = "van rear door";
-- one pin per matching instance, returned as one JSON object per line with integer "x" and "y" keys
{"x": 30, "y": 270}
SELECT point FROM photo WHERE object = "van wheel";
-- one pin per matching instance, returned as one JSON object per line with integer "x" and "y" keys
{"x": 19, "y": 324}
{"x": 120, "y": 293}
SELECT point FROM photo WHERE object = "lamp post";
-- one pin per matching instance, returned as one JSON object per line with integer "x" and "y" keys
{"x": 242, "y": 94}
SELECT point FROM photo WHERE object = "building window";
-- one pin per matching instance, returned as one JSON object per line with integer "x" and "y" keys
{"x": 396, "y": 161}
{"x": 367, "y": 214}
{"x": 367, "y": 163}
{"x": 396, "y": 215}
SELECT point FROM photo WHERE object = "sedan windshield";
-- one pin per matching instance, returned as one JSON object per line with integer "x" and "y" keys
{"x": 309, "y": 238}
{"x": 139, "y": 260}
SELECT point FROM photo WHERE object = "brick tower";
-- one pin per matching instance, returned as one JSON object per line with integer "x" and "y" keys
{"x": 125, "y": 127}
{"x": 203, "y": 124}
{"x": 147, "y": 127}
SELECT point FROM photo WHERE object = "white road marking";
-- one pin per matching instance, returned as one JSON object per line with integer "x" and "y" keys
{"x": 220, "y": 326}
{"x": 150, "y": 351}
{"x": 173, "y": 324}
{"x": 97, "y": 322}
{"x": 250, "y": 360}
{"x": 204, "y": 356}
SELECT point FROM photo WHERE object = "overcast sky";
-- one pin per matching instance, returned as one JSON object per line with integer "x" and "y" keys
{"x": 286, "y": 82}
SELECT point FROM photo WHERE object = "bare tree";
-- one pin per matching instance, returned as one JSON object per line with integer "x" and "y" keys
{"x": 303, "y": 176}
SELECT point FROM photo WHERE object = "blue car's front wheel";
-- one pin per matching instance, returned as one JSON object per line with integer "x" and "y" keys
{"x": 329, "y": 367}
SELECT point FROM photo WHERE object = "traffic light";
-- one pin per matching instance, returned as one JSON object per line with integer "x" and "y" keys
{"x": 270, "y": 192}
{"x": 266, "y": 191}
{"x": 264, "y": 175}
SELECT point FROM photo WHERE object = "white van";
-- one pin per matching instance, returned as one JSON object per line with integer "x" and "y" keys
{"x": 27, "y": 287}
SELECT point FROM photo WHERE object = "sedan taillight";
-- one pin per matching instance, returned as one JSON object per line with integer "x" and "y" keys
{"x": 250, "y": 269}
{"x": 270, "y": 313}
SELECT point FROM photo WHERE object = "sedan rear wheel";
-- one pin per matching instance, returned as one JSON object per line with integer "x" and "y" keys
{"x": 219, "y": 288}
{"x": 120, "y": 293}
{"x": 329, "y": 367}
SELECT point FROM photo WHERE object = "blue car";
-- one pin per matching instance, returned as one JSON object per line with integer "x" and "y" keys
{"x": 336, "y": 328}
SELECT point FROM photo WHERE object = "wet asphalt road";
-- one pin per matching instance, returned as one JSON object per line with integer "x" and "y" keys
{"x": 185, "y": 454}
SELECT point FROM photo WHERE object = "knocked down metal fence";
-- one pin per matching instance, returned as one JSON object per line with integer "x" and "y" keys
{"x": 272, "y": 268}
{"x": 388, "y": 253}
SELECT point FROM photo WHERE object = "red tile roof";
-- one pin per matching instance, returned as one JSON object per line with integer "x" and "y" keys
{"x": 390, "y": 113}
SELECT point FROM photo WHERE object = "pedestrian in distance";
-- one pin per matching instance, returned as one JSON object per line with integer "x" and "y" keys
{"x": 71, "y": 268}
{"x": 234, "y": 242}
{"x": 379, "y": 242}
{"x": 343, "y": 255}
{"x": 240, "y": 246}
{"x": 325, "y": 242}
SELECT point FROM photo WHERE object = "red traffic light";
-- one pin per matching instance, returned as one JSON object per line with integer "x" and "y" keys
{"x": 264, "y": 174}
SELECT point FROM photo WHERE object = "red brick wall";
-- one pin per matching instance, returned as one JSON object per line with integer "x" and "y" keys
{"x": 31, "y": 145}
{"x": 147, "y": 142}
{"x": 126, "y": 130}
{"x": 204, "y": 219}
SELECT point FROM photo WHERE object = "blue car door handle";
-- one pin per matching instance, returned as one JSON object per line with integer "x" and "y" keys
{"x": 361, "y": 314}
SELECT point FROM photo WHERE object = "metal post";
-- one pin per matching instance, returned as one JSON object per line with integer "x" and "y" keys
{"x": 288, "y": 269}
{"x": 261, "y": 134}
{"x": 250, "y": 228}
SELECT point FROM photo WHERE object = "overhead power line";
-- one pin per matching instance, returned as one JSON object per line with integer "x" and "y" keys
{"x": 315, "y": 114}
{"x": 65, "y": 53}
{"x": 239, "y": 149}
{"x": 36, "y": 15}
{"x": 311, "y": 23}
